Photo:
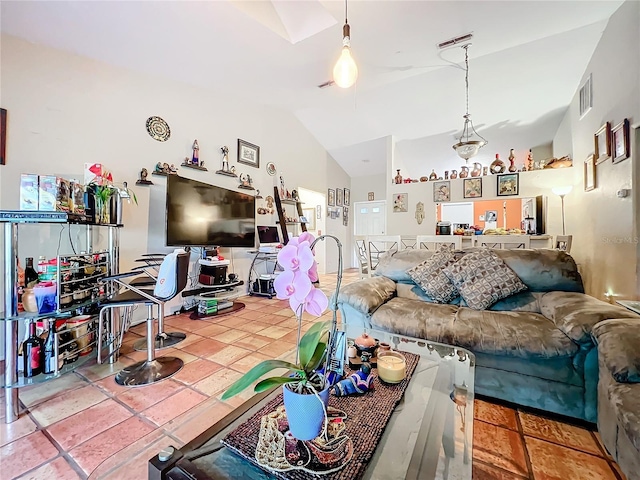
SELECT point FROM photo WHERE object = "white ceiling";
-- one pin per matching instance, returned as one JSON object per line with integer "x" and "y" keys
{"x": 527, "y": 60}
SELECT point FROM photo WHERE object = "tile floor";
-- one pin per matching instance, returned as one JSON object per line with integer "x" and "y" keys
{"x": 83, "y": 425}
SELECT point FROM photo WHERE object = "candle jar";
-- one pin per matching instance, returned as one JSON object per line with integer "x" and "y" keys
{"x": 392, "y": 366}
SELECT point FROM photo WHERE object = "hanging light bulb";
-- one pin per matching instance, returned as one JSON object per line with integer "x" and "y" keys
{"x": 467, "y": 147}
{"x": 345, "y": 73}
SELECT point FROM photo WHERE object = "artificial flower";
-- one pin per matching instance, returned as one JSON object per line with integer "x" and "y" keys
{"x": 290, "y": 285}
{"x": 296, "y": 257}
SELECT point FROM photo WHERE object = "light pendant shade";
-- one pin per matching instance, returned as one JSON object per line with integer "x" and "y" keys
{"x": 345, "y": 73}
{"x": 562, "y": 191}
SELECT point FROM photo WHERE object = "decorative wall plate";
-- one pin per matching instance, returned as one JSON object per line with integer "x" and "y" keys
{"x": 158, "y": 129}
{"x": 271, "y": 168}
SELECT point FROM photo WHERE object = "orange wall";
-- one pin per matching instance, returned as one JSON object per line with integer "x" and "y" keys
{"x": 514, "y": 212}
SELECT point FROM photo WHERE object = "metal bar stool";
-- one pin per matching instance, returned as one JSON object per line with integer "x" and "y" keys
{"x": 152, "y": 369}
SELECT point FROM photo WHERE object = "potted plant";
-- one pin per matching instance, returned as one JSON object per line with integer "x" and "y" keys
{"x": 305, "y": 388}
{"x": 103, "y": 191}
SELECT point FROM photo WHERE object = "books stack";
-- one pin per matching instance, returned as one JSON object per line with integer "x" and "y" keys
{"x": 212, "y": 305}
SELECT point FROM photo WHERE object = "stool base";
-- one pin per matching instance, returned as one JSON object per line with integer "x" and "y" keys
{"x": 147, "y": 372}
{"x": 163, "y": 340}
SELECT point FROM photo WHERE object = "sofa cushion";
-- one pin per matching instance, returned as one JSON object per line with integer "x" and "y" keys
{"x": 520, "y": 302}
{"x": 429, "y": 275}
{"x": 625, "y": 399}
{"x": 619, "y": 347}
{"x": 368, "y": 294}
{"x": 576, "y": 313}
{"x": 482, "y": 279}
{"x": 395, "y": 266}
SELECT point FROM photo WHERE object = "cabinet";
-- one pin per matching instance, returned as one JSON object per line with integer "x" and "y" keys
{"x": 87, "y": 290}
{"x": 262, "y": 284}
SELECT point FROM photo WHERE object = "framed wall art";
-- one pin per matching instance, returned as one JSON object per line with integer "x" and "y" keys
{"x": 339, "y": 197}
{"x": 370, "y": 196}
{"x": 345, "y": 216}
{"x": 620, "y": 141}
{"x": 442, "y": 191}
{"x": 508, "y": 184}
{"x": 318, "y": 212}
{"x": 331, "y": 197}
{"x": 347, "y": 196}
{"x": 248, "y": 153}
{"x": 589, "y": 173}
{"x": 472, "y": 187}
{"x": 400, "y": 202}
{"x": 602, "y": 143}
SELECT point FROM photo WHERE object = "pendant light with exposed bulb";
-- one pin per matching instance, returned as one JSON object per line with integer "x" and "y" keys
{"x": 467, "y": 145}
{"x": 345, "y": 72}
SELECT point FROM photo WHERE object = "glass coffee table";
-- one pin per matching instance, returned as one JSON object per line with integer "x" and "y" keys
{"x": 429, "y": 435}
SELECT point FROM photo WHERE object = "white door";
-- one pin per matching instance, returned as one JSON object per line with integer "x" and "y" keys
{"x": 370, "y": 218}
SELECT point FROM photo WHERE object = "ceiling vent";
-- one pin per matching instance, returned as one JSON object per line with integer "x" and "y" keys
{"x": 586, "y": 97}
{"x": 330, "y": 83}
{"x": 455, "y": 41}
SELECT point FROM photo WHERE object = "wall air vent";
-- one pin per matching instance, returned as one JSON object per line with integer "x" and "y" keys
{"x": 455, "y": 41}
{"x": 330, "y": 83}
{"x": 586, "y": 97}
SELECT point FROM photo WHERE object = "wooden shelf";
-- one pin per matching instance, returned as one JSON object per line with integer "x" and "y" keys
{"x": 195, "y": 167}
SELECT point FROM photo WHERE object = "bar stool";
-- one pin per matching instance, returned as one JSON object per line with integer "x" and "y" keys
{"x": 152, "y": 369}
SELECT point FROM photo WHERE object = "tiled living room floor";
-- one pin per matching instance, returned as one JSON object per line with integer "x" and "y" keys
{"x": 83, "y": 425}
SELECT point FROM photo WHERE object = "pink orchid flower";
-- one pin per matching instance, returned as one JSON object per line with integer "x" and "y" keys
{"x": 292, "y": 286}
{"x": 296, "y": 257}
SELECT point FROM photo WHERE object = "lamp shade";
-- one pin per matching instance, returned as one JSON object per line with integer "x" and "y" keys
{"x": 562, "y": 191}
{"x": 345, "y": 73}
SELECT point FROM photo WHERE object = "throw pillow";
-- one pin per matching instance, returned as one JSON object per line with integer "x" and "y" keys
{"x": 482, "y": 278}
{"x": 430, "y": 277}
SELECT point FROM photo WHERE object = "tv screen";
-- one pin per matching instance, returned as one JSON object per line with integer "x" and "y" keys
{"x": 199, "y": 214}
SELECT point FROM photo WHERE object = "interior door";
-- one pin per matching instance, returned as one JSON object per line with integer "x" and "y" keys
{"x": 370, "y": 218}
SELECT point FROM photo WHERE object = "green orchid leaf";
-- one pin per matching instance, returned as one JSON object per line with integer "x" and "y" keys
{"x": 268, "y": 383}
{"x": 255, "y": 373}
{"x": 317, "y": 358}
{"x": 309, "y": 341}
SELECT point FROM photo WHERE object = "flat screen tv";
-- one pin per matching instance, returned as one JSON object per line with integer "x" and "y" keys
{"x": 199, "y": 214}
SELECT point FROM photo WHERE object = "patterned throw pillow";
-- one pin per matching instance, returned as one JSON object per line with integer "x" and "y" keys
{"x": 430, "y": 277}
{"x": 482, "y": 278}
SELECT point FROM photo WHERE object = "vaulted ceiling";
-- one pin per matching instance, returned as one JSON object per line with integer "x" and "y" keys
{"x": 527, "y": 60}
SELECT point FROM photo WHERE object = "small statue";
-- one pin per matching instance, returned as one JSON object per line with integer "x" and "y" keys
{"x": 144, "y": 173}
{"x": 245, "y": 181}
{"x": 294, "y": 195}
{"x": 282, "y": 190}
{"x": 398, "y": 178}
{"x": 464, "y": 171}
{"x": 433, "y": 175}
{"x": 454, "y": 174}
{"x": 195, "y": 158}
{"x": 512, "y": 160}
{"x": 530, "y": 161}
{"x": 288, "y": 194}
{"x": 355, "y": 384}
{"x": 173, "y": 170}
{"x": 225, "y": 158}
{"x": 419, "y": 212}
{"x": 477, "y": 169}
{"x": 158, "y": 168}
{"x": 446, "y": 174}
{"x": 485, "y": 170}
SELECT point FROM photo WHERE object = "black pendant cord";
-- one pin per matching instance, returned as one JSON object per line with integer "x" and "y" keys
{"x": 466, "y": 75}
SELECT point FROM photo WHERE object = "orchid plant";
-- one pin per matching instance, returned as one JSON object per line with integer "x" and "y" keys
{"x": 104, "y": 187}
{"x": 295, "y": 284}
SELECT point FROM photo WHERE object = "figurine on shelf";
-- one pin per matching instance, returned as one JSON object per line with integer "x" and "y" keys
{"x": 424, "y": 179}
{"x": 357, "y": 383}
{"x": 245, "y": 181}
{"x": 530, "y": 161}
{"x": 464, "y": 171}
{"x": 477, "y": 169}
{"x": 288, "y": 194}
{"x": 195, "y": 157}
{"x": 512, "y": 162}
{"x": 485, "y": 170}
{"x": 143, "y": 178}
{"x": 433, "y": 175}
{"x": 225, "y": 158}
{"x": 173, "y": 170}
{"x": 282, "y": 189}
{"x": 446, "y": 174}
{"x": 454, "y": 174}
{"x": 270, "y": 201}
{"x": 398, "y": 178}
{"x": 258, "y": 194}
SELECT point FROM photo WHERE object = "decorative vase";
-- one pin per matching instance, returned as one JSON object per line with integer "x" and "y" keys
{"x": 464, "y": 172}
{"x": 29, "y": 300}
{"x": 398, "y": 178}
{"x": 477, "y": 169}
{"x": 485, "y": 170}
{"x": 433, "y": 176}
{"x": 454, "y": 174}
{"x": 305, "y": 413}
{"x": 497, "y": 166}
{"x": 530, "y": 161}
{"x": 103, "y": 210}
{"x": 512, "y": 160}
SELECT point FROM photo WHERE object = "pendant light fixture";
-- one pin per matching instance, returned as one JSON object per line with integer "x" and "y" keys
{"x": 468, "y": 145}
{"x": 345, "y": 73}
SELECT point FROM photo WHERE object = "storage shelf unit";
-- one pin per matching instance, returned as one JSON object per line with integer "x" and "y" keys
{"x": 10, "y": 318}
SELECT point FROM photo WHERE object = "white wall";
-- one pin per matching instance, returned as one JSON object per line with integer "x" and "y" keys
{"x": 65, "y": 110}
{"x": 361, "y": 186}
{"x": 338, "y": 178}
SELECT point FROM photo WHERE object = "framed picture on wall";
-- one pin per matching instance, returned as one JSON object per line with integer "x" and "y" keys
{"x": 248, "y": 153}
{"x": 339, "y": 197}
{"x": 442, "y": 191}
{"x": 400, "y": 202}
{"x": 589, "y": 173}
{"x": 318, "y": 212}
{"x": 602, "y": 143}
{"x": 508, "y": 184}
{"x": 621, "y": 143}
{"x": 347, "y": 196}
{"x": 370, "y": 196}
{"x": 345, "y": 216}
{"x": 331, "y": 197}
{"x": 472, "y": 187}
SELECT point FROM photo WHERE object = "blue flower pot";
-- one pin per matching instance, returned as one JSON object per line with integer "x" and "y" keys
{"x": 305, "y": 413}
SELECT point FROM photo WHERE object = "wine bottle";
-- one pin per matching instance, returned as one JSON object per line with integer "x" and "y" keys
{"x": 30, "y": 274}
{"x": 32, "y": 353}
{"x": 50, "y": 358}
{"x": 20, "y": 286}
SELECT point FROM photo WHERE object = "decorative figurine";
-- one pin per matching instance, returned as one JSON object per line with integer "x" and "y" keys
{"x": 530, "y": 161}
{"x": 419, "y": 212}
{"x": 143, "y": 177}
{"x": 424, "y": 179}
{"x": 497, "y": 166}
{"x": 512, "y": 162}
{"x": 225, "y": 170}
{"x": 398, "y": 178}
{"x": 270, "y": 201}
{"x": 173, "y": 170}
{"x": 485, "y": 170}
{"x": 446, "y": 174}
{"x": 245, "y": 182}
{"x": 195, "y": 158}
{"x": 454, "y": 174}
{"x": 477, "y": 169}
{"x": 288, "y": 194}
{"x": 294, "y": 195}
{"x": 282, "y": 190}
{"x": 433, "y": 175}
{"x": 258, "y": 194}
{"x": 357, "y": 383}
{"x": 464, "y": 171}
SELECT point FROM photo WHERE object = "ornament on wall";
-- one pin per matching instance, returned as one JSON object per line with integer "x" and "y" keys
{"x": 371, "y": 196}
{"x": 194, "y": 162}
{"x": 419, "y": 212}
{"x": 246, "y": 182}
{"x": 225, "y": 170}
{"x": 271, "y": 168}
{"x": 143, "y": 178}
{"x": 165, "y": 169}
{"x": 158, "y": 129}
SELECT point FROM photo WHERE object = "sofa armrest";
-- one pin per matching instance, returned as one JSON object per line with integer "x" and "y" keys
{"x": 618, "y": 341}
{"x": 368, "y": 294}
{"x": 577, "y": 313}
